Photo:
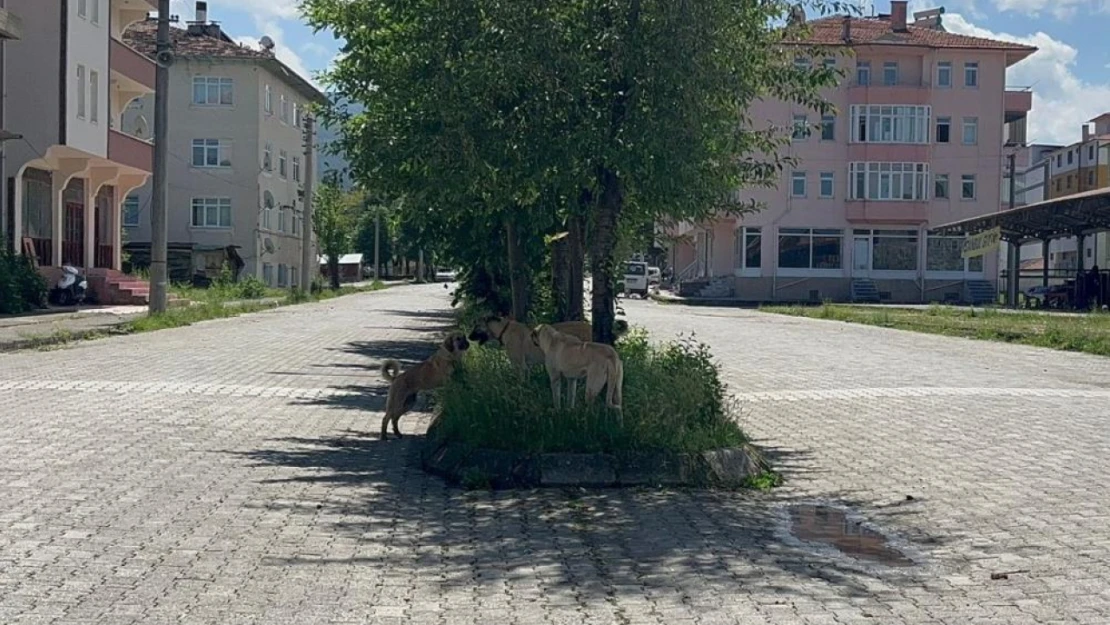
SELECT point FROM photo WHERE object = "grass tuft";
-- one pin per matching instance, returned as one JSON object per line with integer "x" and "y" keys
{"x": 674, "y": 400}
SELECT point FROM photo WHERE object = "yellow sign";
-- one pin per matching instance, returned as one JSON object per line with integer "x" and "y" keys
{"x": 979, "y": 244}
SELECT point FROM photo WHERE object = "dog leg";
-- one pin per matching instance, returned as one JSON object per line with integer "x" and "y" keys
{"x": 385, "y": 424}
{"x": 573, "y": 384}
{"x": 556, "y": 390}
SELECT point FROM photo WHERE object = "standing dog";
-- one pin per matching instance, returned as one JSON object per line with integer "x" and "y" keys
{"x": 428, "y": 375}
{"x": 568, "y": 357}
{"x": 517, "y": 340}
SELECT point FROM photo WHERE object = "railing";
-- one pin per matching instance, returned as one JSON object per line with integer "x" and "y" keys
{"x": 104, "y": 256}
{"x": 877, "y": 81}
{"x": 694, "y": 270}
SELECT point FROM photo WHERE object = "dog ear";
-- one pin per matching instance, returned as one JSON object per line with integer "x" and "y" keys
{"x": 449, "y": 343}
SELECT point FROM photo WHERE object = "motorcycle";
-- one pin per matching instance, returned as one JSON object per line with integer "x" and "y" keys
{"x": 72, "y": 289}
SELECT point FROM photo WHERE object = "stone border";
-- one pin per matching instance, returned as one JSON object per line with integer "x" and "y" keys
{"x": 469, "y": 466}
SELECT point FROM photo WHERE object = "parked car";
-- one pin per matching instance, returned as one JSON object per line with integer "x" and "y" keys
{"x": 445, "y": 275}
{"x": 635, "y": 278}
{"x": 655, "y": 276}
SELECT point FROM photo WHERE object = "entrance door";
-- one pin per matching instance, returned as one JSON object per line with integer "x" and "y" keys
{"x": 861, "y": 257}
{"x": 73, "y": 235}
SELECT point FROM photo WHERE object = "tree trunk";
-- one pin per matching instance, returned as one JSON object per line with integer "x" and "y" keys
{"x": 560, "y": 279}
{"x": 576, "y": 258}
{"x": 333, "y": 271}
{"x": 603, "y": 243}
{"x": 517, "y": 279}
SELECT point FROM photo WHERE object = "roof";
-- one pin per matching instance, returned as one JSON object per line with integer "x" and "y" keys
{"x": 346, "y": 259}
{"x": 877, "y": 31}
{"x": 209, "y": 42}
{"x": 1084, "y": 212}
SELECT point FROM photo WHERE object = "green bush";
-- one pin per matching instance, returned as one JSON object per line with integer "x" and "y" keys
{"x": 22, "y": 288}
{"x": 251, "y": 287}
{"x": 673, "y": 400}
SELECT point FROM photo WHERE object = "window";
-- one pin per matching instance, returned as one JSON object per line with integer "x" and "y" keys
{"x": 888, "y": 181}
{"x": 283, "y": 161}
{"x": 211, "y": 212}
{"x": 890, "y": 73}
{"x": 267, "y": 210}
{"x": 1059, "y": 160}
{"x": 803, "y": 248}
{"x": 971, "y": 74}
{"x": 268, "y": 274}
{"x": 828, "y": 179}
{"x": 829, "y": 63}
{"x": 944, "y": 74}
{"x": 268, "y": 157}
{"x": 94, "y": 96}
{"x": 828, "y": 128}
{"x": 940, "y": 186}
{"x": 283, "y": 275}
{"x": 284, "y": 110}
{"x": 967, "y": 187}
{"x": 797, "y": 184}
{"x": 801, "y": 63}
{"x": 213, "y": 91}
{"x": 131, "y": 211}
{"x": 268, "y": 100}
{"x": 891, "y": 250}
{"x": 800, "y": 130}
{"x": 945, "y": 254}
{"x": 94, "y": 11}
{"x": 890, "y": 124}
{"x": 750, "y": 252}
{"x": 282, "y": 224}
{"x": 1070, "y": 159}
{"x": 297, "y": 168}
{"x": 863, "y": 73}
{"x": 1091, "y": 153}
{"x": 971, "y": 130}
{"x": 211, "y": 153}
{"x": 296, "y": 115}
{"x": 296, "y": 221}
{"x": 944, "y": 129}
{"x": 81, "y": 91}
{"x": 82, "y": 8}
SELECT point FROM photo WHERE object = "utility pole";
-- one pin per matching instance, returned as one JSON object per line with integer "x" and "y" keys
{"x": 420, "y": 265}
{"x": 377, "y": 242}
{"x": 158, "y": 233}
{"x": 1014, "y": 249}
{"x": 309, "y": 265}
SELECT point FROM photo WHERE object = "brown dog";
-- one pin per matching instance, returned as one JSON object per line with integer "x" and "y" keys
{"x": 516, "y": 337}
{"x": 566, "y": 356}
{"x": 428, "y": 375}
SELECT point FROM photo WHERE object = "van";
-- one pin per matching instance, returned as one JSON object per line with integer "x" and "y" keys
{"x": 636, "y": 278}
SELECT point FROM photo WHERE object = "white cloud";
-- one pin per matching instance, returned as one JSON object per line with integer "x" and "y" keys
{"x": 282, "y": 51}
{"x": 1061, "y": 100}
{"x": 1060, "y": 9}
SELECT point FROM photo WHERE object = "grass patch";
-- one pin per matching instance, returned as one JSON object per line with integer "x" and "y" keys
{"x": 674, "y": 400}
{"x": 1087, "y": 333}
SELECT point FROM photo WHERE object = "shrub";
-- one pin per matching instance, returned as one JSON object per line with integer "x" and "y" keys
{"x": 673, "y": 400}
{"x": 22, "y": 288}
{"x": 251, "y": 288}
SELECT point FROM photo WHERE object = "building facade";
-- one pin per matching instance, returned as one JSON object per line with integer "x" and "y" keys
{"x": 236, "y": 167}
{"x": 918, "y": 138}
{"x": 68, "y": 175}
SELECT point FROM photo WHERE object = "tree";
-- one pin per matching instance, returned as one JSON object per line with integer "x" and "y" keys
{"x": 333, "y": 220}
{"x": 592, "y": 117}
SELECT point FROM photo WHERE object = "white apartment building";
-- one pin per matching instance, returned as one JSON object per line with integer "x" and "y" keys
{"x": 236, "y": 156}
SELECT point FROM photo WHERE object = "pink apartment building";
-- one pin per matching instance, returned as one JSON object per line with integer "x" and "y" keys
{"x": 68, "y": 82}
{"x": 918, "y": 141}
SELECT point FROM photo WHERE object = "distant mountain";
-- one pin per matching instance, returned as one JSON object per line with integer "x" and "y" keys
{"x": 325, "y": 136}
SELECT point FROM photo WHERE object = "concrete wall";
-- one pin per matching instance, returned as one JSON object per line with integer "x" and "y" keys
{"x": 87, "y": 42}
{"x": 33, "y": 63}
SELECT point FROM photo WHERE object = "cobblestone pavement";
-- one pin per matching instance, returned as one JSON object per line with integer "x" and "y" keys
{"x": 212, "y": 474}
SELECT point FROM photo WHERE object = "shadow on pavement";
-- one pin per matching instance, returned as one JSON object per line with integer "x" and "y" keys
{"x": 594, "y": 543}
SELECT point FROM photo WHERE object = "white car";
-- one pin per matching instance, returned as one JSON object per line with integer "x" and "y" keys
{"x": 446, "y": 275}
{"x": 636, "y": 278}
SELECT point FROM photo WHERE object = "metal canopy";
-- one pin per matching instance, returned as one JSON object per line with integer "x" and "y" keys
{"x": 1071, "y": 215}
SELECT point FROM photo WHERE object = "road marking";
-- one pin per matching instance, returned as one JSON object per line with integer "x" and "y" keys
{"x": 918, "y": 391}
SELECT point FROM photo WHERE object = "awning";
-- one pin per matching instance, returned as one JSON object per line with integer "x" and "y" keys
{"x": 1071, "y": 215}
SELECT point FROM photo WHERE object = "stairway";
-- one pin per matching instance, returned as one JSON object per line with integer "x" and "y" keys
{"x": 979, "y": 292}
{"x": 115, "y": 288}
{"x": 865, "y": 291}
{"x": 718, "y": 288}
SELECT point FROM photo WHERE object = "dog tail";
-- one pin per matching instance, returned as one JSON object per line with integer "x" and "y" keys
{"x": 391, "y": 369}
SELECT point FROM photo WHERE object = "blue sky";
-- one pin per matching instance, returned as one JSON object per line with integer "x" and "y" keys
{"x": 1070, "y": 74}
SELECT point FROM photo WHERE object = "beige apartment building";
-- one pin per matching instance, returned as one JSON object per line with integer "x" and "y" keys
{"x": 236, "y": 157}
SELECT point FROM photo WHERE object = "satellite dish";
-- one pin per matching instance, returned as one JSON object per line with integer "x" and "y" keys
{"x": 266, "y": 42}
{"x": 268, "y": 245}
{"x": 797, "y": 14}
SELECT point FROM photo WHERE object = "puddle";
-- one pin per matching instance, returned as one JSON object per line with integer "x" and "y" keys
{"x": 833, "y": 527}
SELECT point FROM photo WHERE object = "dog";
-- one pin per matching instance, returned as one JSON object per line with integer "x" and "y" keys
{"x": 426, "y": 376}
{"x": 566, "y": 356}
{"x": 515, "y": 337}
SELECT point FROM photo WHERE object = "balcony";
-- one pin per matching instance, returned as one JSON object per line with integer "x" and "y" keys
{"x": 127, "y": 63}
{"x": 1017, "y": 103}
{"x": 876, "y": 91}
{"x": 127, "y": 150}
{"x": 11, "y": 25}
{"x": 887, "y": 212}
